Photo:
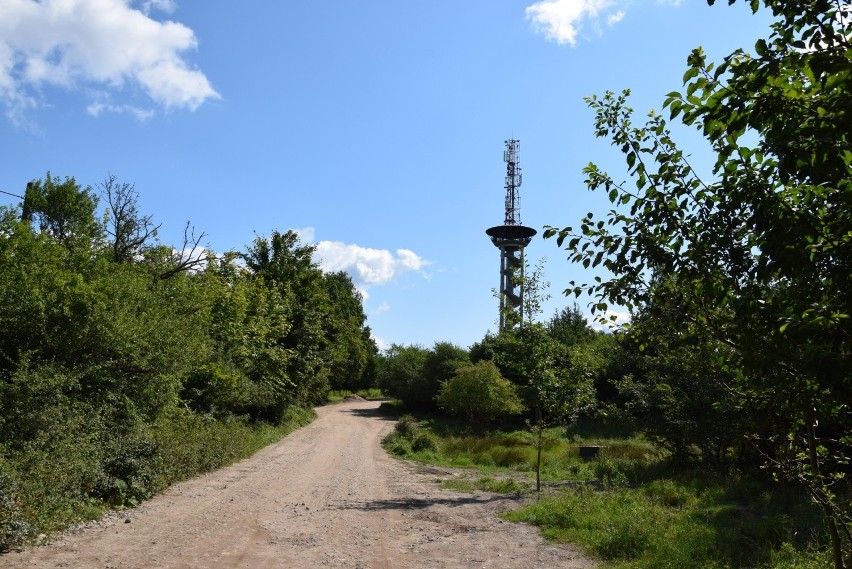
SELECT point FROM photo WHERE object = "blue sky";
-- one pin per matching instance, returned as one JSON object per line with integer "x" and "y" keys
{"x": 375, "y": 128}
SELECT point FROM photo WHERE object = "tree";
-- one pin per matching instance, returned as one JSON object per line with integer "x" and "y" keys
{"x": 287, "y": 268}
{"x": 556, "y": 391}
{"x": 128, "y": 230}
{"x": 350, "y": 350}
{"x": 400, "y": 372}
{"x": 674, "y": 390}
{"x": 479, "y": 393}
{"x": 440, "y": 364}
{"x": 760, "y": 257}
{"x": 569, "y": 326}
{"x": 63, "y": 210}
{"x": 553, "y": 388}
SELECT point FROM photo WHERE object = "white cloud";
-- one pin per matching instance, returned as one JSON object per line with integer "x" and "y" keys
{"x": 306, "y": 235}
{"x": 381, "y": 309}
{"x": 367, "y": 266}
{"x": 98, "y": 108}
{"x": 381, "y": 344}
{"x": 167, "y": 6}
{"x": 562, "y": 20}
{"x": 80, "y": 43}
{"x": 613, "y": 19}
{"x": 195, "y": 257}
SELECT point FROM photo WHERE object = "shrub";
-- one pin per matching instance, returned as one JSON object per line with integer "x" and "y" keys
{"x": 407, "y": 427}
{"x": 480, "y": 394}
{"x": 397, "y": 444}
{"x": 512, "y": 456}
{"x": 424, "y": 441}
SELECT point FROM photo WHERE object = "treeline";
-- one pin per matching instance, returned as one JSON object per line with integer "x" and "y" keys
{"x": 575, "y": 357}
{"x": 126, "y": 364}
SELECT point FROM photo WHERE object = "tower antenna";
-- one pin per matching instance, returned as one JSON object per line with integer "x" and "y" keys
{"x": 511, "y": 238}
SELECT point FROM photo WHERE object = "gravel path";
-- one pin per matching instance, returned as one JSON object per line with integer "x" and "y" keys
{"x": 325, "y": 496}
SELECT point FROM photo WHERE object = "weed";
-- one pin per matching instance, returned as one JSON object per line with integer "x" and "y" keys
{"x": 81, "y": 468}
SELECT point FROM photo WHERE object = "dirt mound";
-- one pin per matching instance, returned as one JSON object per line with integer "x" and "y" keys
{"x": 353, "y": 397}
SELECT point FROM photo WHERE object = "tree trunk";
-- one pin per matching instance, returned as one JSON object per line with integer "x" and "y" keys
{"x": 818, "y": 491}
{"x": 540, "y": 430}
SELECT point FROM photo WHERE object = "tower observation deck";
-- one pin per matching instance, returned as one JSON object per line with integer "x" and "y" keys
{"x": 511, "y": 238}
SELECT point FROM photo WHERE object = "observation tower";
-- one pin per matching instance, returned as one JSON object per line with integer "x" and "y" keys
{"x": 511, "y": 238}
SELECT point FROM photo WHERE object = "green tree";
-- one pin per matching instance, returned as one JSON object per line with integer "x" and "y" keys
{"x": 63, "y": 210}
{"x": 248, "y": 373}
{"x": 441, "y": 363}
{"x": 569, "y": 326}
{"x": 760, "y": 257}
{"x": 675, "y": 391}
{"x": 480, "y": 394}
{"x": 555, "y": 389}
{"x": 400, "y": 372}
{"x": 349, "y": 349}
{"x": 287, "y": 267}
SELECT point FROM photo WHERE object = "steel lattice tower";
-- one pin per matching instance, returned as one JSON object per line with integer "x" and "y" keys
{"x": 511, "y": 238}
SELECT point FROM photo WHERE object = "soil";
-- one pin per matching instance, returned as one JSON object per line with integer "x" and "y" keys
{"x": 325, "y": 496}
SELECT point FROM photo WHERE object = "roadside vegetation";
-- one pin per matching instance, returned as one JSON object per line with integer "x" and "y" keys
{"x": 632, "y": 506}
{"x": 127, "y": 364}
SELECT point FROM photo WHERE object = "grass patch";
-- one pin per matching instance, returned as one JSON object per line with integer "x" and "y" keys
{"x": 487, "y": 484}
{"x": 671, "y": 524}
{"x": 190, "y": 444}
{"x": 631, "y": 508}
{"x": 372, "y": 393}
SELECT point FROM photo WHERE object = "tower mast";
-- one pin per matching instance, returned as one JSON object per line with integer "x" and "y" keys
{"x": 511, "y": 238}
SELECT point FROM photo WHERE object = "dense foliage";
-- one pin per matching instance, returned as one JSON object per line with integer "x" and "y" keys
{"x": 112, "y": 342}
{"x": 745, "y": 278}
{"x": 480, "y": 394}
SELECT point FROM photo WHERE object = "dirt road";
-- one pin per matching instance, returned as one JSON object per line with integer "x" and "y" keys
{"x": 325, "y": 496}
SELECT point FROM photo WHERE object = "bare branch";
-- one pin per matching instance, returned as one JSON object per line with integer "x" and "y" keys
{"x": 190, "y": 257}
{"x": 127, "y": 229}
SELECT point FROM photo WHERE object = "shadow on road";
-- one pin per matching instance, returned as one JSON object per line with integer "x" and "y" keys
{"x": 416, "y": 503}
{"x": 373, "y": 413}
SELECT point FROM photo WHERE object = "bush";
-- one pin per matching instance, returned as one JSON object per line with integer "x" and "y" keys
{"x": 397, "y": 444}
{"x": 407, "y": 437}
{"x": 424, "y": 441}
{"x": 407, "y": 427}
{"x": 479, "y": 393}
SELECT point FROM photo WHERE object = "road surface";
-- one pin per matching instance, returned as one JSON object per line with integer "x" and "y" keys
{"x": 325, "y": 496}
